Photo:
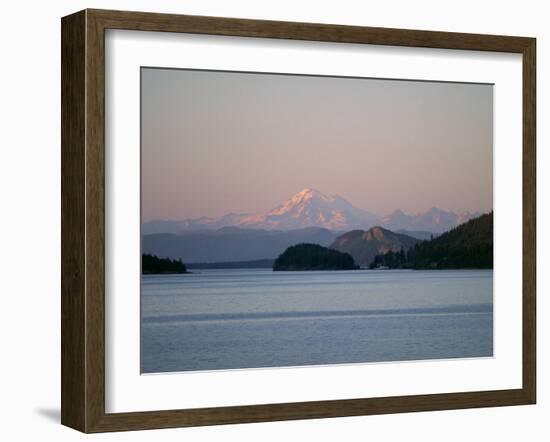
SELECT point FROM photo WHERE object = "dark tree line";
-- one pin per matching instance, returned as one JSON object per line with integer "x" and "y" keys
{"x": 154, "y": 264}
{"x": 468, "y": 246}
{"x": 253, "y": 264}
{"x": 313, "y": 257}
{"x": 391, "y": 259}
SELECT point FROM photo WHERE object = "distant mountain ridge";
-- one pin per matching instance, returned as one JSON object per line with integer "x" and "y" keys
{"x": 434, "y": 220}
{"x": 308, "y": 208}
{"x": 363, "y": 245}
{"x": 254, "y": 264}
{"x": 231, "y": 243}
{"x": 311, "y": 208}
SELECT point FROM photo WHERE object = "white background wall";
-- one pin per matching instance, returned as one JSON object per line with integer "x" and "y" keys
{"x": 30, "y": 216}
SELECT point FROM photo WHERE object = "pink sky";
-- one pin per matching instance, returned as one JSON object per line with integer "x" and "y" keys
{"x": 218, "y": 142}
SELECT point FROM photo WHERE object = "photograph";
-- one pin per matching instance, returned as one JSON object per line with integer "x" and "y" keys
{"x": 305, "y": 220}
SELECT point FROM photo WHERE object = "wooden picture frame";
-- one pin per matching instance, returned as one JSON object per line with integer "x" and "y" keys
{"x": 83, "y": 219}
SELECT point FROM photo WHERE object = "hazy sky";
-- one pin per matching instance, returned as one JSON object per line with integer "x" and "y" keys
{"x": 219, "y": 142}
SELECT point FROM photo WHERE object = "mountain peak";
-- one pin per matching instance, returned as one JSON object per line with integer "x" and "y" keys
{"x": 310, "y": 207}
{"x": 364, "y": 245}
{"x": 379, "y": 233}
{"x": 375, "y": 232}
{"x": 305, "y": 197}
{"x": 309, "y": 193}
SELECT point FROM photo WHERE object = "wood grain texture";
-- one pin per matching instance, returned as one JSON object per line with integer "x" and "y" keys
{"x": 144, "y": 21}
{"x": 83, "y": 220}
{"x": 529, "y": 220}
{"x": 73, "y": 258}
{"x": 95, "y": 222}
{"x": 308, "y": 410}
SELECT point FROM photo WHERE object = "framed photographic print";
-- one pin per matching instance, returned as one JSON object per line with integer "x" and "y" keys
{"x": 271, "y": 220}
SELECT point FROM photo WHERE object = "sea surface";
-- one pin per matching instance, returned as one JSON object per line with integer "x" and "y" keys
{"x": 245, "y": 318}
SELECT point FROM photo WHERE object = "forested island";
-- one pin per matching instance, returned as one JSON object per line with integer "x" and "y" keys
{"x": 468, "y": 246}
{"x": 313, "y": 257}
{"x": 151, "y": 264}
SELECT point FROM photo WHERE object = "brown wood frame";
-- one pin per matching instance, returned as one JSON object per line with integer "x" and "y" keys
{"x": 83, "y": 216}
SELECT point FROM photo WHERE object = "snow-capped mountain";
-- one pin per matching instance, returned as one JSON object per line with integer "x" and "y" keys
{"x": 311, "y": 208}
{"x": 308, "y": 208}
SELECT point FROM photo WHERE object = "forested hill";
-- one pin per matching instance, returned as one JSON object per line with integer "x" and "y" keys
{"x": 468, "y": 246}
{"x": 313, "y": 257}
{"x": 151, "y": 264}
{"x": 363, "y": 246}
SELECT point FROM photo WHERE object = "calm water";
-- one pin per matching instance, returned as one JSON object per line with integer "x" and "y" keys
{"x": 223, "y": 319}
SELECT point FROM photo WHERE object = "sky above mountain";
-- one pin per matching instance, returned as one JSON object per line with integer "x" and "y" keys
{"x": 214, "y": 143}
